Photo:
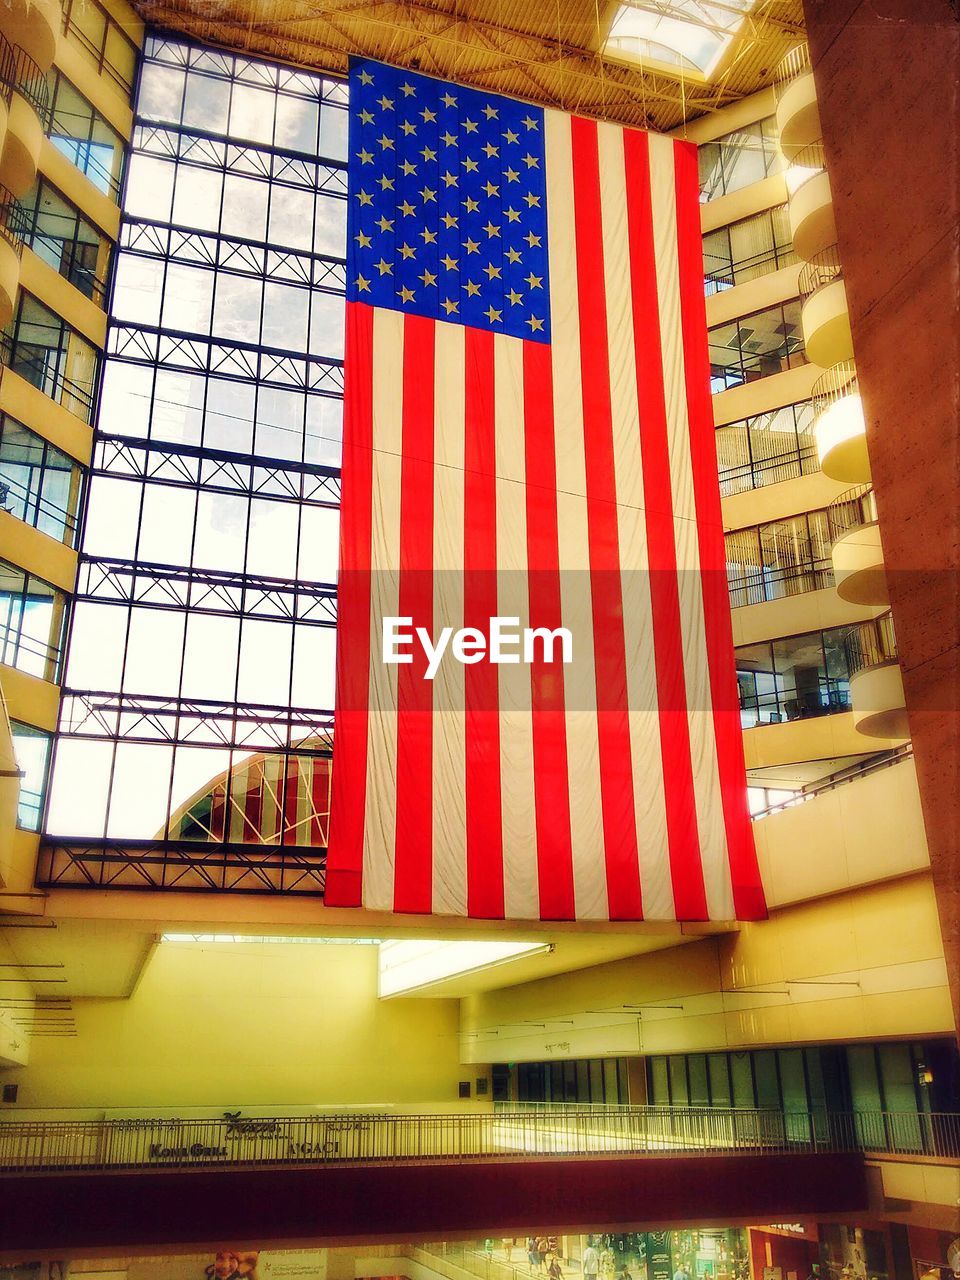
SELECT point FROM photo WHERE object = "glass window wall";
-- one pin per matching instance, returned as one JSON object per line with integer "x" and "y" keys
{"x": 782, "y": 558}
{"x": 66, "y": 241}
{"x": 776, "y": 445}
{"x": 747, "y": 249}
{"x": 793, "y": 678}
{"x": 756, "y": 346}
{"x": 31, "y": 747}
{"x": 102, "y": 40}
{"x": 31, "y": 623}
{"x": 38, "y": 484}
{"x": 41, "y": 347}
{"x": 79, "y": 131}
{"x": 738, "y": 159}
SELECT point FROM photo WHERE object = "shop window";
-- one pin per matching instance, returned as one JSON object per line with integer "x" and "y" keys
{"x": 38, "y": 484}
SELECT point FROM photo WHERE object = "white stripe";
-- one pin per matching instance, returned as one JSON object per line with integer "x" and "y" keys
{"x": 380, "y": 811}
{"x": 449, "y": 744}
{"x": 520, "y": 881}
{"x": 703, "y": 747}
{"x": 648, "y": 765}
{"x": 580, "y": 686}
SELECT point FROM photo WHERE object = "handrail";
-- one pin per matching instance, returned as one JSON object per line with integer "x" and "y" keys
{"x": 20, "y": 74}
{"x": 835, "y": 383}
{"x": 839, "y": 779}
{"x": 823, "y": 268}
{"x": 852, "y": 509}
{"x": 870, "y": 644}
{"x": 14, "y": 223}
{"x": 791, "y": 65}
{"x": 806, "y": 164}
{"x": 558, "y": 1129}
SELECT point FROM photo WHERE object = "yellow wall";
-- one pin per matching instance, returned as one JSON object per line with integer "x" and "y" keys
{"x": 250, "y": 1025}
{"x": 861, "y": 965}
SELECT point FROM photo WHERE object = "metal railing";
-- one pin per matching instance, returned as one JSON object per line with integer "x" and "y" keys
{"x": 793, "y": 64}
{"x": 806, "y": 164}
{"x": 823, "y": 268}
{"x": 20, "y": 74}
{"x": 852, "y": 509}
{"x": 14, "y": 223}
{"x": 871, "y": 644}
{"x": 839, "y": 779}
{"x": 513, "y": 1129}
{"x": 835, "y": 383}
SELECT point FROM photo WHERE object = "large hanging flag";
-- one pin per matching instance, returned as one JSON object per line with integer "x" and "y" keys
{"x": 528, "y": 445}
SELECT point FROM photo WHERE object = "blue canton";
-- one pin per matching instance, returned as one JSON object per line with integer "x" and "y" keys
{"x": 447, "y": 202}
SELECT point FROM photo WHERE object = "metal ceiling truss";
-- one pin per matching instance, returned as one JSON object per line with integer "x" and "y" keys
{"x": 194, "y": 722}
{"x": 233, "y": 255}
{"x": 215, "y": 470}
{"x": 243, "y": 361}
{"x": 140, "y": 583}
{"x": 181, "y": 865}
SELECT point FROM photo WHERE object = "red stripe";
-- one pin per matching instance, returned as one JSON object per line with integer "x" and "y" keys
{"x": 292, "y": 834}
{"x": 218, "y": 811}
{"x": 686, "y": 869}
{"x": 413, "y": 868}
{"x": 344, "y": 878}
{"x": 748, "y": 896}
{"x": 319, "y": 799}
{"x": 253, "y": 803}
{"x": 551, "y": 790}
{"x": 481, "y": 681}
{"x": 613, "y": 728}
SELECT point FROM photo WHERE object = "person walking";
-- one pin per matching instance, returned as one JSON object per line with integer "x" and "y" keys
{"x": 591, "y": 1261}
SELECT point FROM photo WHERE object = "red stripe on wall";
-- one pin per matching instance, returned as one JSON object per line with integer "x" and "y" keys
{"x": 613, "y": 729}
{"x": 686, "y": 871}
{"x": 413, "y": 868}
{"x": 550, "y": 776}
{"x": 344, "y": 878}
{"x": 745, "y": 874}
{"x": 481, "y": 682}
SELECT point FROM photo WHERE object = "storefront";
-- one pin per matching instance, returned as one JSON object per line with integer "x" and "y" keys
{"x": 784, "y": 1251}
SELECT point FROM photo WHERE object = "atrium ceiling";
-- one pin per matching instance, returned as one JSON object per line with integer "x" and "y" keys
{"x": 552, "y": 52}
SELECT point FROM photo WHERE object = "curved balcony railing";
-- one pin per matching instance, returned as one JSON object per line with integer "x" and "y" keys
{"x": 14, "y": 223}
{"x": 793, "y": 64}
{"x": 806, "y": 164}
{"x": 871, "y": 644}
{"x": 835, "y": 384}
{"x": 511, "y": 1130}
{"x": 852, "y": 509}
{"x": 20, "y": 74}
{"x": 823, "y": 268}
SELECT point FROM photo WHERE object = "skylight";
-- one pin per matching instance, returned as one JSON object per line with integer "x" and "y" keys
{"x": 690, "y": 35}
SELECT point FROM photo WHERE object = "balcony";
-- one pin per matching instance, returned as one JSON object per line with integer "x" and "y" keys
{"x": 34, "y": 25}
{"x": 798, "y": 116}
{"x": 25, "y": 88}
{"x": 876, "y": 686}
{"x": 824, "y": 316}
{"x": 812, "y": 224}
{"x": 855, "y": 547}
{"x": 13, "y": 229}
{"x": 839, "y": 425}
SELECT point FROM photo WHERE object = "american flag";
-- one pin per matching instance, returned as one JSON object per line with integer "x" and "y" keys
{"x": 528, "y": 433}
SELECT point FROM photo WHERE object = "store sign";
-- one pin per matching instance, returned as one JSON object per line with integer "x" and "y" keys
{"x": 236, "y": 1136}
